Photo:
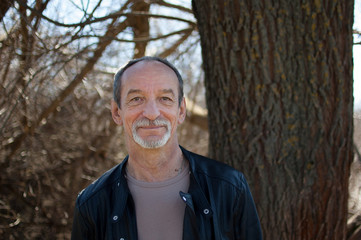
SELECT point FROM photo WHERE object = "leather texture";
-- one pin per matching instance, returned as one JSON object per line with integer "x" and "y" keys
{"x": 219, "y": 205}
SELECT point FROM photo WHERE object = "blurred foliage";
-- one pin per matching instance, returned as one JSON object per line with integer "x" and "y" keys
{"x": 57, "y": 64}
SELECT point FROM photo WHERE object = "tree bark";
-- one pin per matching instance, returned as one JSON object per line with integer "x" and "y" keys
{"x": 140, "y": 26}
{"x": 278, "y": 77}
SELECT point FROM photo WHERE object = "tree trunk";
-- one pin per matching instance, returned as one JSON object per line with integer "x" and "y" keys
{"x": 140, "y": 26}
{"x": 278, "y": 78}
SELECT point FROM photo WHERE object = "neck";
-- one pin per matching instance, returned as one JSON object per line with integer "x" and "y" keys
{"x": 155, "y": 165}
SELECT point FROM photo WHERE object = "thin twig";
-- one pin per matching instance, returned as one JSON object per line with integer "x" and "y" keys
{"x": 101, "y": 19}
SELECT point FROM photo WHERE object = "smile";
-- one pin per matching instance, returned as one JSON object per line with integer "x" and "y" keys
{"x": 151, "y": 127}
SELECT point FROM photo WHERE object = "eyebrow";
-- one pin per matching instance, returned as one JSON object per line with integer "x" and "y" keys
{"x": 168, "y": 91}
{"x": 131, "y": 91}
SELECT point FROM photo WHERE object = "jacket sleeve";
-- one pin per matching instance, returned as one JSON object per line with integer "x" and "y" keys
{"x": 248, "y": 221}
{"x": 81, "y": 227}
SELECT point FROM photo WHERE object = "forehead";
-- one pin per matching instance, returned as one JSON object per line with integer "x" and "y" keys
{"x": 149, "y": 73}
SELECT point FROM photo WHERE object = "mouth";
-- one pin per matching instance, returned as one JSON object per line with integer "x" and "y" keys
{"x": 151, "y": 127}
{"x": 146, "y": 124}
{"x": 146, "y": 128}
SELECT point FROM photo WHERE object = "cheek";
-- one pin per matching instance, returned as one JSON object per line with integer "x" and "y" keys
{"x": 174, "y": 120}
{"x": 128, "y": 123}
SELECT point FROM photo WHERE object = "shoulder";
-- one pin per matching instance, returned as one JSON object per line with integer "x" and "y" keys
{"x": 99, "y": 186}
{"x": 212, "y": 170}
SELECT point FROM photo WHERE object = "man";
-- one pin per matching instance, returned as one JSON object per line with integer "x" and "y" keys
{"x": 160, "y": 190}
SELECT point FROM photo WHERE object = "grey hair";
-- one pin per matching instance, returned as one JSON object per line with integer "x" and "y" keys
{"x": 118, "y": 75}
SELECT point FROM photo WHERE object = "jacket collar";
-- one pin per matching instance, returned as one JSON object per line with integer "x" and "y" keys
{"x": 200, "y": 202}
{"x": 195, "y": 198}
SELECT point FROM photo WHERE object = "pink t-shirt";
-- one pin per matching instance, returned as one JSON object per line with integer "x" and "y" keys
{"x": 159, "y": 207}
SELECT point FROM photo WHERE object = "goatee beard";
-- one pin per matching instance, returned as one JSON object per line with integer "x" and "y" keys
{"x": 151, "y": 144}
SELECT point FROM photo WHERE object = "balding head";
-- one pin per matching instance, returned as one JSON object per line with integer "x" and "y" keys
{"x": 119, "y": 74}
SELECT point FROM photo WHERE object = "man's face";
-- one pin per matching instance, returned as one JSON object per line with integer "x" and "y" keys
{"x": 149, "y": 110}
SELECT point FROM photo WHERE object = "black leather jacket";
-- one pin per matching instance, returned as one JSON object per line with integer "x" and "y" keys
{"x": 219, "y": 205}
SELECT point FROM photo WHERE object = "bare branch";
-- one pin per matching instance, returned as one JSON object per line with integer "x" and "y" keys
{"x": 4, "y": 7}
{"x": 185, "y": 31}
{"x": 355, "y": 31}
{"x": 166, "y": 4}
{"x": 109, "y": 16}
{"x": 113, "y": 30}
{"x": 170, "y": 50}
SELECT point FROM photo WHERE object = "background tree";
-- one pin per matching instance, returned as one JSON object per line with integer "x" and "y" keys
{"x": 278, "y": 78}
{"x": 57, "y": 63}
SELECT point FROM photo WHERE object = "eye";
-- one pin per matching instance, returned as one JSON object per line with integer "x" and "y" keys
{"x": 166, "y": 99}
{"x": 135, "y": 101}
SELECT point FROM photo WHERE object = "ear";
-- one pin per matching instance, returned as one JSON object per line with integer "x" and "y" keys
{"x": 182, "y": 111}
{"x": 116, "y": 113}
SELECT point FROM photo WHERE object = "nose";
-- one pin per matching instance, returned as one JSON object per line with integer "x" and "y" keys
{"x": 151, "y": 110}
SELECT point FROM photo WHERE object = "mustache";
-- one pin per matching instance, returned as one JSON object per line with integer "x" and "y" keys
{"x": 144, "y": 122}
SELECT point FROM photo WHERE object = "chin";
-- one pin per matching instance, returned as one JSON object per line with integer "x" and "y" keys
{"x": 151, "y": 143}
